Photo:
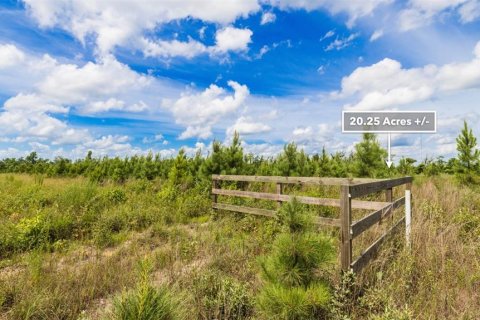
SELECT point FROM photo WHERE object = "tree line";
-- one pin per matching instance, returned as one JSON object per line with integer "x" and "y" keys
{"x": 367, "y": 160}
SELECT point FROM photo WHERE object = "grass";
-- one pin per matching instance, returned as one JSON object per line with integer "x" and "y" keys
{"x": 70, "y": 249}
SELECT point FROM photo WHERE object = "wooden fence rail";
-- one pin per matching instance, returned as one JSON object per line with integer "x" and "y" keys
{"x": 349, "y": 189}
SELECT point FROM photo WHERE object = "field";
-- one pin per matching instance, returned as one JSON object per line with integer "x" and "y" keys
{"x": 71, "y": 249}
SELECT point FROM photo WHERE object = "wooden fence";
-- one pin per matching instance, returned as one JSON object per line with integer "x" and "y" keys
{"x": 349, "y": 190}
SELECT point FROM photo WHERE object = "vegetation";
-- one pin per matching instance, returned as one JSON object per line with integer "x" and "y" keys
{"x": 468, "y": 156}
{"x": 147, "y": 302}
{"x": 72, "y": 235}
{"x": 293, "y": 288}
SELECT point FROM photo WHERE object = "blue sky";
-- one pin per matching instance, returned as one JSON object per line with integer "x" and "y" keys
{"x": 129, "y": 77}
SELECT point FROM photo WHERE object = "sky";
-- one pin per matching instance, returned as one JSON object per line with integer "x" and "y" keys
{"x": 125, "y": 77}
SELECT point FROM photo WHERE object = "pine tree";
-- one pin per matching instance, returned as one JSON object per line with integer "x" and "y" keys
{"x": 287, "y": 161}
{"x": 468, "y": 155}
{"x": 293, "y": 288}
{"x": 324, "y": 165}
{"x": 369, "y": 157}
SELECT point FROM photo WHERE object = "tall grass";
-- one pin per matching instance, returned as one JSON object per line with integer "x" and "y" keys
{"x": 69, "y": 249}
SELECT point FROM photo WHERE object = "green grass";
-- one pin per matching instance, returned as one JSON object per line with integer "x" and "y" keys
{"x": 70, "y": 249}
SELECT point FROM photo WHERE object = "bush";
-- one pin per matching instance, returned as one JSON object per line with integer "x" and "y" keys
{"x": 293, "y": 288}
{"x": 221, "y": 297}
{"x": 294, "y": 303}
{"x": 147, "y": 302}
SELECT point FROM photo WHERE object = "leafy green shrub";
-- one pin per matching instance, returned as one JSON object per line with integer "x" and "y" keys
{"x": 116, "y": 196}
{"x": 194, "y": 205}
{"x": 218, "y": 296}
{"x": 30, "y": 232}
{"x": 8, "y": 238}
{"x": 106, "y": 227}
{"x": 469, "y": 221}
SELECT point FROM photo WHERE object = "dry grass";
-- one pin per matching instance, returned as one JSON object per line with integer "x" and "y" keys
{"x": 439, "y": 278}
{"x": 216, "y": 257}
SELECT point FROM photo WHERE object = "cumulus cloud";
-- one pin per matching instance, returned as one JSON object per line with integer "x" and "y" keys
{"x": 354, "y": 9}
{"x": 228, "y": 39}
{"x": 112, "y": 104}
{"x": 167, "y": 49}
{"x": 246, "y": 126}
{"x": 71, "y": 84}
{"x": 387, "y": 84}
{"x": 28, "y": 116}
{"x": 199, "y": 111}
{"x": 420, "y": 13}
{"x": 53, "y": 90}
{"x": 10, "y": 56}
{"x": 115, "y": 23}
{"x": 232, "y": 39}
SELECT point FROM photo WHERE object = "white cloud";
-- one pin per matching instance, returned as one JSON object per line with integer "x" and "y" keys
{"x": 174, "y": 48}
{"x": 199, "y": 146}
{"x": 262, "y": 149}
{"x": 268, "y": 17}
{"x": 102, "y": 106}
{"x": 341, "y": 43}
{"x": 199, "y": 111}
{"x": 354, "y": 9}
{"x": 232, "y": 39}
{"x": 120, "y": 23}
{"x": 377, "y": 34}
{"x": 387, "y": 84}
{"x": 420, "y": 12}
{"x": 226, "y": 39}
{"x": 71, "y": 84}
{"x": 327, "y": 35}
{"x": 246, "y": 126}
{"x": 112, "y": 104}
{"x": 303, "y": 131}
{"x": 262, "y": 52}
{"x": 469, "y": 11}
{"x": 27, "y": 116}
{"x": 53, "y": 89}
{"x": 10, "y": 56}
{"x": 37, "y": 146}
{"x": 156, "y": 138}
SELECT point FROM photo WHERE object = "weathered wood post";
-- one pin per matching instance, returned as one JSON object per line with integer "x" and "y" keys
{"x": 389, "y": 198}
{"x": 408, "y": 212}
{"x": 279, "y": 192}
{"x": 214, "y": 186}
{"x": 346, "y": 221}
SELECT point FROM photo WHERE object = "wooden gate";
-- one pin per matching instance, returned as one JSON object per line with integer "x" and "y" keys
{"x": 350, "y": 189}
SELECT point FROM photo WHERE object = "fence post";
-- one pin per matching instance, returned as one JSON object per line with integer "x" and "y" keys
{"x": 346, "y": 222}
{"x": 279, "y": 191}
{"x": 408, "y": 213}
{"x": 389, "y": 198}
{"x": 214, "y": 186}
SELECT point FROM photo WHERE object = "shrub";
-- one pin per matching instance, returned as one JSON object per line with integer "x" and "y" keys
{"x": 221, "y": 297}
{"x": 116, "y": 196}
{"x": 293, "y": 289}
{"x": 146, "y": 302}
{"x": 294, "y": 303}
